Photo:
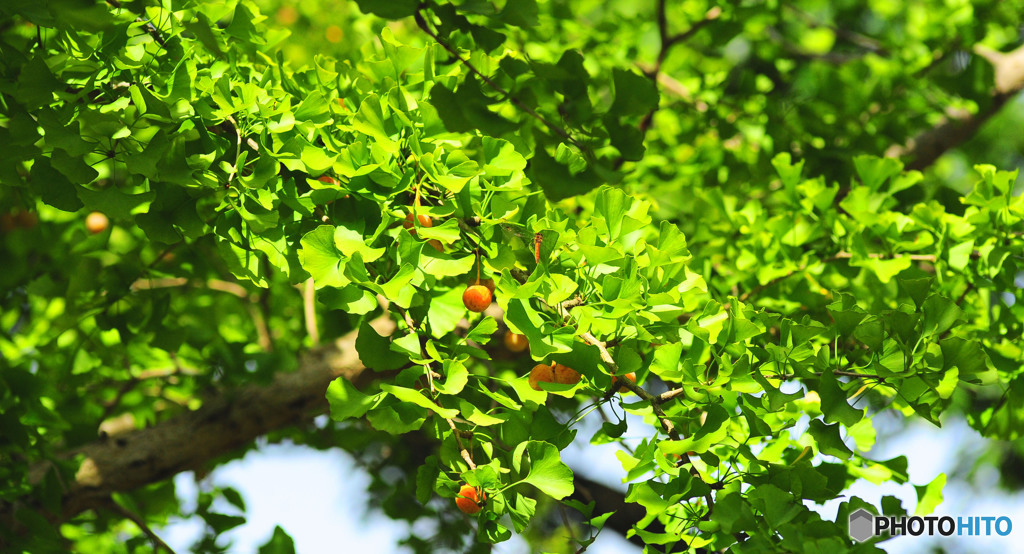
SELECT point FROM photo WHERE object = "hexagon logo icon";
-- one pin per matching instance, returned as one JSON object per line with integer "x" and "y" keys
{"x": 862, "y": 525}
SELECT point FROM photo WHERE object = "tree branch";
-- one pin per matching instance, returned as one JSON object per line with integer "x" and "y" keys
{"x": 857, "y": 39}
{"x": 956, "y": 129}
{"x": 666, "y": 424}
{"x": 238, "y": 151}
{"x": 462, "y": 449}
{"x": 262, "y": 331}
{"x": 212, "y": 284}
{"x": 309, "y": 311}
{"x": 606, "y": 499}
{"x": 840, "y": 373}
{"x": 930, "y": 258}
{"x": 233, "y": 420}
{"x": 422, "y": 23}
{"x": 667, "y": 42}
{"x": 222, "y": 425}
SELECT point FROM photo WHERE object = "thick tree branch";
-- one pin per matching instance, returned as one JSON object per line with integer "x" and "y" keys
{"x": 222, "y": 425}
{"x": 955, "y": 129}
{"x": 232, "y": 420}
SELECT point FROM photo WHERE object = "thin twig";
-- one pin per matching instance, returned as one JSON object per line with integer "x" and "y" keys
{"x": 669, "y": 395}
{"x": 462, "y": 449}
{"x": 165, "y": 372}
{"x": 862, "y": 41}
{"x": 854, "y": 374}
{"x": 259, "y": 321}
{"x": 150, "y": 28}
{"x": 109, "y": 407}
{"x": 309, "y": 308}
{"x": 567, "y": 523}
{"x": 238, "y": 151}
{"x": 604, "y": 417}
{"x": 162, "y": 256}
{"x": 930, "y": 258}
{"x": 406, "y": 317}
{"x": 212, "y": 284}
{"x": 572, "y": 303}
{"x": 430, "y": 377}
{"x": 959, "y": 301}
{"x": 469, "y": 230}
{"x": 709, "y": 16}
{"x": 667, "y": 42}
{"x": 666, "y": 424}
{"x": 158, "y": 543}
{"x": 422, "y": 23}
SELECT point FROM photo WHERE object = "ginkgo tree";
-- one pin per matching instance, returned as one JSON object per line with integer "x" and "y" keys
{"x": 725, "y": 229}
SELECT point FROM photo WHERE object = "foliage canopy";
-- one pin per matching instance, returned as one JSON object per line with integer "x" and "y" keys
{"x": 740, "y": 203}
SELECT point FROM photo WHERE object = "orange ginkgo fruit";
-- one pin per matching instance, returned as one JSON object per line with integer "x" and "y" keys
{"x": 424, "y": 221}
{"x": 515, "y": 342}
{"x": 470, "y": 499}
{"x": 96, "y": 223}
{"x": 565, "y": 375}
{"x": 541, "y": 373}
{"x": 477, "y": 298}
{"x": 631, "y": 376}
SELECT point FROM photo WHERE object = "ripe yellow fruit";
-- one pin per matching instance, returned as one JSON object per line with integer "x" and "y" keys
{"x": 287, "y": 15}
{"x": 96, "y": 223}
{"x": 8, "y": 222}
{"x": 424, "y": 220}
{"x": 476, "y": 298}
{"x": 631, "y": 376}
{"x": 541, "y": 373}
{"x": 469, "y": 499}
{"x": 565, "y": 375}
{"x": 515, "y": 342}
{"x": 334, "y": 33}
{"x": 26, "y": 220}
